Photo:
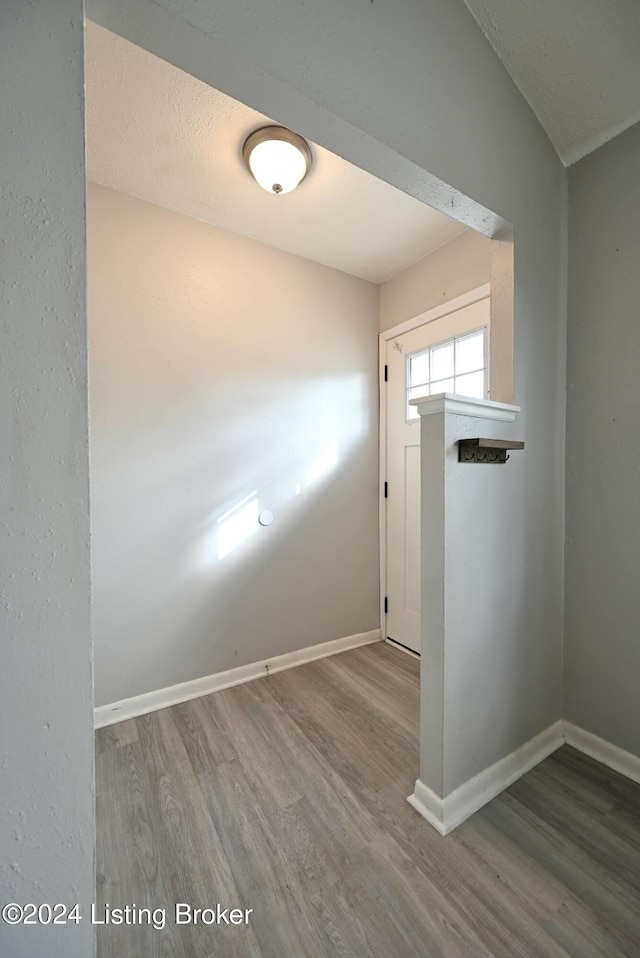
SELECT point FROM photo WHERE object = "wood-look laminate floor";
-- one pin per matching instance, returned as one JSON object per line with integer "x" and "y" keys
{"x": 287, "y": 795}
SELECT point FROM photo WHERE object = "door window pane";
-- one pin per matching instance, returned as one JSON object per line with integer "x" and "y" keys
{"x": 457, "y": 366}
{"x": 442, "y": 386}
{"x": 472, "y": 384}
{"x": 419, "y": 368}
{"x": 470, "y": 353}
{"x": 442, "y": 362}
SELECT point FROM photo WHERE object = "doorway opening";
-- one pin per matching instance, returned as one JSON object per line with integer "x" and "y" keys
{"x": 207, "y": 294}
{"x": 292, "y": 432}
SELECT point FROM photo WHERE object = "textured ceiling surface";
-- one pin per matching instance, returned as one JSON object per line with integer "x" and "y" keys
{"x": 576, "y": 62}
{"x": 159, "y": 134}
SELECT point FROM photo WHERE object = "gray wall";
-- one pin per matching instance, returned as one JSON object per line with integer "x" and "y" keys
{"x": 46, "y": 742}
{"x": 602, "y": 659}
{"x": 221, "y": 368}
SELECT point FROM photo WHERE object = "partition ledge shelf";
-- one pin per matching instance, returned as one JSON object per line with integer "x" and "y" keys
{"x": 466, "y": 406}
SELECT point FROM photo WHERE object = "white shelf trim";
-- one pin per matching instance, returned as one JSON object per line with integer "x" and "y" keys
{"x": 465, "y": 406}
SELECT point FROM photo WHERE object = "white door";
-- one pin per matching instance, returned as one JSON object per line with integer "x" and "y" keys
{"x": 447, "y": 354}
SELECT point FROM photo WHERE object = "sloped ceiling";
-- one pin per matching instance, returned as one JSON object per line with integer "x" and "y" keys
{"x": 577, "y": 63}
{"x": 159, "y": 134}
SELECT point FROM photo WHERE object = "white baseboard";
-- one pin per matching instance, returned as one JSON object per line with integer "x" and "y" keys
{"x": 447, "y": 813}
{"x": 162, "y": 698}
{"x": 430, "y": 806}
{"x": 610, "y": 755}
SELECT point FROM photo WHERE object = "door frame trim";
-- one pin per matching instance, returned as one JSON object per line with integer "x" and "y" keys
{"x": 451, "y": 306}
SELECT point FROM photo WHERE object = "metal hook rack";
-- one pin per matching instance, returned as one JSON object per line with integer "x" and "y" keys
{"x": 486, "y": 450}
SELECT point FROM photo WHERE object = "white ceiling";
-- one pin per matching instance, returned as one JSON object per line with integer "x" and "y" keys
{"x": 157, "y": 133}
{"x": 577, "y": 63}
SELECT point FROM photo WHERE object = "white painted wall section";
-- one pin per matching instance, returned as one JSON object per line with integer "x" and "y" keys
{"x": 46, "y": 741}
{"x": 462, "y": 264}
{"x": 227, "y": 378}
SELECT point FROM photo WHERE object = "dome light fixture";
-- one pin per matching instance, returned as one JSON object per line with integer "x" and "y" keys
{"x": 277, "y": 158}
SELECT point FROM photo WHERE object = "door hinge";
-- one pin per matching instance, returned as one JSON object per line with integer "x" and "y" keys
{"x": 386, "y": 490}
{"x": 386, "y": 605}
{"x": 386, "y": 373}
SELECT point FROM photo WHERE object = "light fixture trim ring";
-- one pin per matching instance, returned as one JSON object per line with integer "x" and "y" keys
{"x": 267, "y": 133}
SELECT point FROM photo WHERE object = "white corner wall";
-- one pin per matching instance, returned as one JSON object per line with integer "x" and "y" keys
{"x": 462, "y": 264}
{"x": 227, "y": 378}
{"x": 602, "y": 660}
{"x": 46, "y": 740}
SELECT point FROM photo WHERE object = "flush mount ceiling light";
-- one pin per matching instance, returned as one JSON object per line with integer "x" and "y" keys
{"x": 277, "y": 158}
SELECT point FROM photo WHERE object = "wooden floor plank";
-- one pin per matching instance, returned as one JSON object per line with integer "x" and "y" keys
{"x": 124, "y": 733}
{"x": 586, "y": 830}
{"x": 622, "y": 790}
{"x": 287, "y": 795}
{"x": 572, "y": 866}
{"x": 341, "y": 728}
{"x": 392, "y": 691}
{"x": 206, "y": 739}
{"x": 264, "y": 868}
{"x": 128, "y": 855}
{"x": 196, "y": 869}
{"x": 549, "y": 902}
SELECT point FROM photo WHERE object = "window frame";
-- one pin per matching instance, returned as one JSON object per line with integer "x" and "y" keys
{"x": 485, "y": 328}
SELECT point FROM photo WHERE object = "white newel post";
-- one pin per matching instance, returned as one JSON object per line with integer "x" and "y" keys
{"x": 464, "y": 508}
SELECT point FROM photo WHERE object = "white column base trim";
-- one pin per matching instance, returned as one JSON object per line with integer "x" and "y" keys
{"x": 430, "y": 806}
{"x": 610, "y": 755}
{"x": 447, "y": 813}
{"x": 163, "y": 698}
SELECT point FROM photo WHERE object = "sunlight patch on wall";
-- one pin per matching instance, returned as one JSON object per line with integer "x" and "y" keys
{"x": 284, "y": 466}
{"x": 237, "y": 524}
{"x": 323, "y": 465}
